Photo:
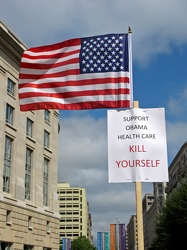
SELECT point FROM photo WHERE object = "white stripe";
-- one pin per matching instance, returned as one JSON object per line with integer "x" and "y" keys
{"x": 51, "y": 52}
{"x": 76, "y": 77}
{"x": 49, "y": 71}
{"x": 74, "y": 99}
{"x": 74, "y": 88}
{"x": 49, "y": 60}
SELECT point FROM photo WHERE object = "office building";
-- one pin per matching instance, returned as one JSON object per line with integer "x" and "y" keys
{"x": 29, "y": 211}
{"x": 75, "y": 218}
{"x": 154, "y": 211}
{"x": 132, "y": 233}
{"x": 147, "y": 202}
{"x": 177, "y": 173}
{"x": 177, "y": 169}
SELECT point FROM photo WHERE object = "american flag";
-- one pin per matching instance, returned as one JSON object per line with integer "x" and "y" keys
{"x": 81, "y": 73}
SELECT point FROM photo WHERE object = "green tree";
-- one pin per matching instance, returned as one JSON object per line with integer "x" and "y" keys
{"x": 171, "y": 225}
{"x": 82, "y": 243}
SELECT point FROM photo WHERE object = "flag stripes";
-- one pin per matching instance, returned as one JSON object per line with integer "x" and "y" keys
{"x": 50, "y": 78}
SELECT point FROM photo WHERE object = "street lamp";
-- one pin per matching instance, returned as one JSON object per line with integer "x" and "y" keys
{"x": 117, "y": 233}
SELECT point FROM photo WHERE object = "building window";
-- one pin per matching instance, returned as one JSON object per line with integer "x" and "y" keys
{"x": 47, "y": 115}
{"x": 5, "y": 245}
{"x": 45, "y": 181}
{"x": 8, "y": 217}
{"x": 48, "y": 227}
{"x": 46, "y": 139}
{"x": 28, "y": 165}
{"x": 29, "y": 129}
{"x": 10, "y": 87}
{"x": 7, "y": 164}
{"x": 30, "y": 222}
{"x": 9, "y": 114}
{"x": 28, "y": 247}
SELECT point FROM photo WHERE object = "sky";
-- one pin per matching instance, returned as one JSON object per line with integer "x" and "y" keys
{"x": 159, "y": 47}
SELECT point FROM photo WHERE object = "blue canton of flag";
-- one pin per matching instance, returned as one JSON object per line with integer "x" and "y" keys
{"x": 106, "y": 53}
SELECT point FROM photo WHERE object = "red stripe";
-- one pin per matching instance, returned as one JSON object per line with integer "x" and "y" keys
{"x": 53, "y": 75}
{"x": 76, "y": 106}
{"x": 47, "y": 48}
{"x": 83, "y": 93}
{"x": 75, "y": 83}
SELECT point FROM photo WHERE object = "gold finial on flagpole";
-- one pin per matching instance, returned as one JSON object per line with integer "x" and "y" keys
{"x": 129, "y": 31}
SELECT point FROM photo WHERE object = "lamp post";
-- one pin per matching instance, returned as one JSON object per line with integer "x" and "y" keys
{"x": 103, "y": 239}
{"x": 117, "y": 234}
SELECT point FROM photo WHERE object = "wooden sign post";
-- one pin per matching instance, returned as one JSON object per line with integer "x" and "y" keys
{"x": 139, "y": 213}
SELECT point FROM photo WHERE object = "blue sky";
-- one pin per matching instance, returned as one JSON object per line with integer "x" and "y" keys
{"x": 159, "y": 38}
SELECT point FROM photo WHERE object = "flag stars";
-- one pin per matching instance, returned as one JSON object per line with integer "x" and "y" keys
{"x": 102, "y": 54}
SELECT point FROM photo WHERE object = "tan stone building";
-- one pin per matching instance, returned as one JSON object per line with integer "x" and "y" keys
{"x": 154, "y": 211}
{"x": 29, "y": 211}
{"x": 177, "y": 170}
{"x": 75, "y": 218}
{"x": 147, "y": 202}
{"x": 132, "y": 233}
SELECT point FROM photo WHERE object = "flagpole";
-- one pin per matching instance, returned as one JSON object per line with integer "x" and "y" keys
{"x": 130, "y": 64}
{"x": 139, "y": 214}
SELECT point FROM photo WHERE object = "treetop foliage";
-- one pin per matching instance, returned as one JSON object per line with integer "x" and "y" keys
{"x": 82, "y": 243}
{"x": 171, "y": 225}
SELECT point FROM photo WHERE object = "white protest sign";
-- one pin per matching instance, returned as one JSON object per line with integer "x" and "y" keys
{"x": 137, "y": 147}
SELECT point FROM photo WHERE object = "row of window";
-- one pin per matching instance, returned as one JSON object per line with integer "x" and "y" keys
{"x": 70, "y": 227}
{"x": 30, "y": 221}
{"x": 29, "y": 124}
{"x": 10, "y": 117}
{"x": 67, "y": 219}
{"x": 69, "y": 191}
{"x": 69, "y": 235}
{"x": 11, "y": 91}
{"x": 69, "y": 205}
{"x": 28, "y": 171}
{"x": 69, "y": 198}
{"x": 70, "y": 212}
{"x": 29, "y": 153}
{"x": 8, "y": 246}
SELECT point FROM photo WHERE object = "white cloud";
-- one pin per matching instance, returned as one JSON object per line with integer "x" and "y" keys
{"x": 177, "y": 121}
{"x": 176, "y": 137}
{"x": 177, "y": 105}
{"x": 156, "y": 25}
